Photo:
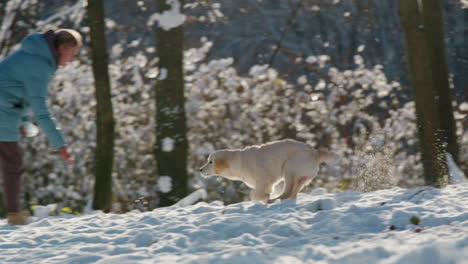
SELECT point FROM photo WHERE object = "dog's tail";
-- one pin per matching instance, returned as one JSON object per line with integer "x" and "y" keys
{"x": 328, "y": 157}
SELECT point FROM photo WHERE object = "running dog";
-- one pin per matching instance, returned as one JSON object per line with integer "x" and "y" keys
{"x": 260, "y": 167}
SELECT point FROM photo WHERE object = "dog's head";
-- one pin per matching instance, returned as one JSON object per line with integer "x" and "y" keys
{"x": 218, "y": 164}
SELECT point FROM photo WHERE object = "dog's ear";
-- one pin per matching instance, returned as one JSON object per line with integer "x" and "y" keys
{"x": 220, "y": 165}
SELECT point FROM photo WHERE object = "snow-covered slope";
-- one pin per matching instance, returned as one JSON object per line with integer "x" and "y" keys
{"x": 423, "y": 225}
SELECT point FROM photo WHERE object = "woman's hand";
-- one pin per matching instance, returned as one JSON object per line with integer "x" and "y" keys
{"x": 65, "y": 155}
{"x": 22, "y": 131}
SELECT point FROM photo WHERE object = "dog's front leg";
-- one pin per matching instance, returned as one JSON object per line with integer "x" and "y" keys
{"x": 260, "y": 193}
{"x": 256, "y": 195}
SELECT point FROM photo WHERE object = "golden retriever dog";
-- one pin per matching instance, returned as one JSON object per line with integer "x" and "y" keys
{"x": 260, "y": 167}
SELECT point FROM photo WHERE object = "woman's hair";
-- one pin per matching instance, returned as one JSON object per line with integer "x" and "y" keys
{"x": 68, "y": 38}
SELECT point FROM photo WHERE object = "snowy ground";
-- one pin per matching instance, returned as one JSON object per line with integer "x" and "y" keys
{"x": 321, "y": 227}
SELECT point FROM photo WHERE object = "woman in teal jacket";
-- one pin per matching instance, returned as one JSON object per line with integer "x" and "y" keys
{"x": 24, "y": 79}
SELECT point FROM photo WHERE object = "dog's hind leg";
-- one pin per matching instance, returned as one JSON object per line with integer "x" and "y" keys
{"x": 298, "y": 185}
{"x": 288, "y": 187}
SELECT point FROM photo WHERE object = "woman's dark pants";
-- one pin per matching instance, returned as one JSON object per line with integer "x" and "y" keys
{"x": 10, "y": 169}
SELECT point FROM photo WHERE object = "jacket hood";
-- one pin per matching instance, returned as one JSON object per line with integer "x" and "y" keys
{"x": 37, "y": 44}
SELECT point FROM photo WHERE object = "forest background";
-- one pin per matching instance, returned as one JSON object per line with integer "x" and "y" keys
{"x": 329, "y": 73}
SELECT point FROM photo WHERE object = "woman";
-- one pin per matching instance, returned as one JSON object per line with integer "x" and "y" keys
{"x": 24, "y": 79}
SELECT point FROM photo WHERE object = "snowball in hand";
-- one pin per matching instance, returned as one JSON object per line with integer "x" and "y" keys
{"x": 30, "y": 129}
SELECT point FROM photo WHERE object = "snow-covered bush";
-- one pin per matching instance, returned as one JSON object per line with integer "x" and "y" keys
{"x": 355, "y": 112}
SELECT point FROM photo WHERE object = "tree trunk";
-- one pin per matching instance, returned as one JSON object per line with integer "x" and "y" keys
{"x": 434, "y": 29}
{"x": 429, "y": 78}
{"x": 171, "y": 140}
{"x": 105, "y": 121}
{"x": 2, "y": 207}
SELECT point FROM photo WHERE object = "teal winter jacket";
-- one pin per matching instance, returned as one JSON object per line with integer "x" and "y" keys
{"x": 24, "y": 80}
